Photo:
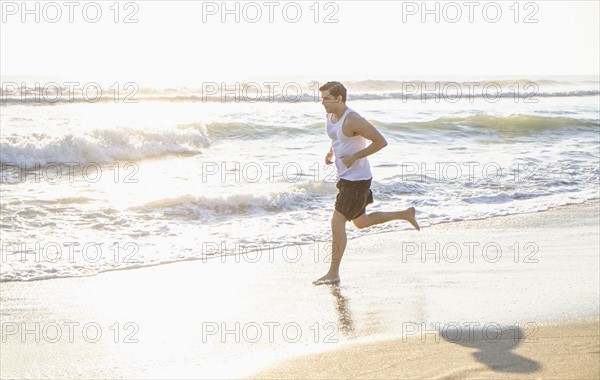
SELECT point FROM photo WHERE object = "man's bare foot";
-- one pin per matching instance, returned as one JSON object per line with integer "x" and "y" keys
{"x": 411, "y": 218}
{"x": 327, "y": 280}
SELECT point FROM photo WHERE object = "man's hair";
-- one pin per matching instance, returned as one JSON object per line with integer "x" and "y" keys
{"x": 336, "y": 89}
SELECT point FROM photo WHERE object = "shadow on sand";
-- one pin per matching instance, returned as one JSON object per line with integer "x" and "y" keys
{"x": 495, "y": 345}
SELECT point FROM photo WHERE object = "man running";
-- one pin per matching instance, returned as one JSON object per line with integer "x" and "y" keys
{"x": 348, "y": 132}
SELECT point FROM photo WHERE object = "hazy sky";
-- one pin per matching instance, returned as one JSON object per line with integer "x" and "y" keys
{"x": 180, "y": 40}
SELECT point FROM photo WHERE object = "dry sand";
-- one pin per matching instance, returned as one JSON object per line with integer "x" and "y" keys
{"x": 564, "y": 351}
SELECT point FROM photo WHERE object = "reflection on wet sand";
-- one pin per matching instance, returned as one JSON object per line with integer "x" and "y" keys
{"x": 345, "y": 322}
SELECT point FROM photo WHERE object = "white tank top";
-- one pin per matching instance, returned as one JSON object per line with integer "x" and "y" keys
{"x": 345, "y": 146}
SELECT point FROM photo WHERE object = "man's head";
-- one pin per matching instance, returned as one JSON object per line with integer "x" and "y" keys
{"x": 333, "y": 95}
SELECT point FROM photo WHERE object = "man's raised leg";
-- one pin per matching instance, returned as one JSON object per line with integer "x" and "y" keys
{"x": 338, "y": 246}
{"x": 367, "y": 220}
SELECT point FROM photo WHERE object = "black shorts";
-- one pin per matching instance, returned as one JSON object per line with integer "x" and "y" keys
{"x": 353, "y": 198}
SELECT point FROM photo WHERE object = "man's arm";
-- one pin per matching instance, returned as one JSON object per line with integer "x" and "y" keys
{"x": 357, "y": 125}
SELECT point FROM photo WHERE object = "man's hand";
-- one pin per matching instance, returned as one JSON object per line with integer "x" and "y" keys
{"x": 328, "y": 158}
{"x": 348, "y": 160}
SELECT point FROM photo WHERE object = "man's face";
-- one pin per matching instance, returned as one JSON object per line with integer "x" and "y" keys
{"x": 329, "y": 101}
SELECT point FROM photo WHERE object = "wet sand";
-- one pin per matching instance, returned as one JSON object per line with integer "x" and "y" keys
{"x": 236, "y": 316}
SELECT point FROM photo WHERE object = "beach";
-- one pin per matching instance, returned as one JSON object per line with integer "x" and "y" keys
{"x": 169, "y": 177}
{"x": 179, "y": 236}
{"x": 529, "y": 303}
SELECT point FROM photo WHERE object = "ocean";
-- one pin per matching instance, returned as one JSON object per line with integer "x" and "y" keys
{"x": 100, "y": 177}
